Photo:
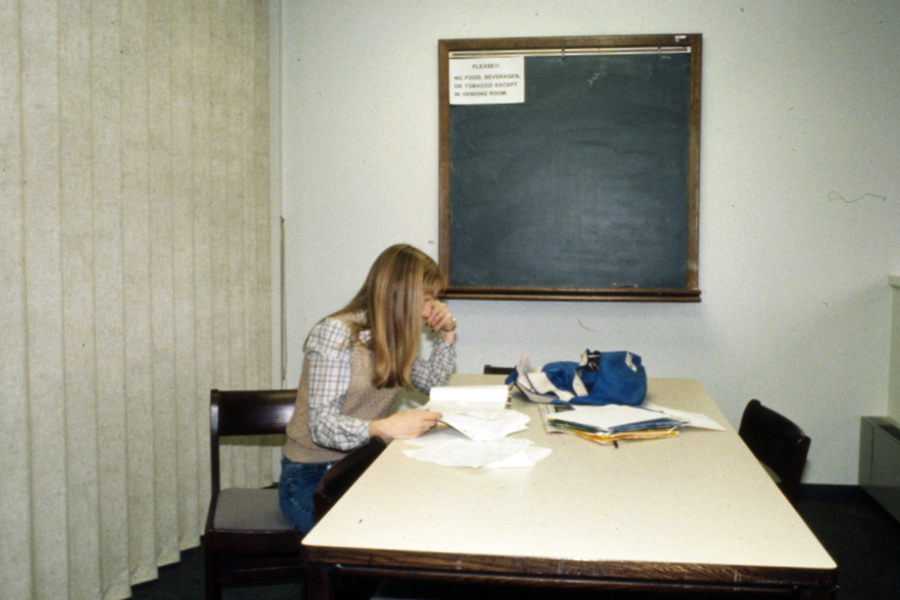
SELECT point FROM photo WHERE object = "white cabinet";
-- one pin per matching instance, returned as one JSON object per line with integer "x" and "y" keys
{"x": 879, "y": 461}
{"x": 879, "y": 441}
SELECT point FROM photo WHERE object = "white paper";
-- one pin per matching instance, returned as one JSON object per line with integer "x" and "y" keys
{"x": 502, "y": 453}
{"x": 437, "y": 436}
{"x": 478, "y": 411}
{"x": 486, "y": 427}
{"x": 488, "y": 80}
{"x": 690, "y": 419}
{"x": 552, "y": 411}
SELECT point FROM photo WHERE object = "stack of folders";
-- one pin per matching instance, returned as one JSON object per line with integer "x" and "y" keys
{"x": 612, "y": 423}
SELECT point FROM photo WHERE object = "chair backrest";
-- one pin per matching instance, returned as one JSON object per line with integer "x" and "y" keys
{"x": 778, "y": 443}
{"x": 492, "y": 370}
{"x": 249, "y": 412}
{"x": 344, "y": 473}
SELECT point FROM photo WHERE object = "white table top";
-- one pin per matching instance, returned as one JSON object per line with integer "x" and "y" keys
{"x": 699, "y": 498}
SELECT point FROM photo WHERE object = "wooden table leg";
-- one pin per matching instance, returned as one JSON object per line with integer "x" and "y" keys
{"x": 320, "y": 582}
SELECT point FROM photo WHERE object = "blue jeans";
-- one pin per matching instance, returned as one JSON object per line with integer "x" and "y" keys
{"x": 295, "y": 491}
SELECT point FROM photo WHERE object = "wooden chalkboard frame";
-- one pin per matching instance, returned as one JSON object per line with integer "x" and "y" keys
{"x": 569, "y": 47}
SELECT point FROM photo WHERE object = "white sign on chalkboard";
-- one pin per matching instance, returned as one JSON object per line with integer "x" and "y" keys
{"x": 488, "y": 80}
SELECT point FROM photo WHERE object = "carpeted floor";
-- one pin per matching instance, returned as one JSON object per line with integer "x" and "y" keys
{"x": 861, "y": 536}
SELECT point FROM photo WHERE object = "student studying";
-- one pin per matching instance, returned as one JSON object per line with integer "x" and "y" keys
{"x": 356, "y": 361}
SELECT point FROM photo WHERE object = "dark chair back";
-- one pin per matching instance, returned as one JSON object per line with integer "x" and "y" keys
{"x": 778, "y": 443}
{"x": 344, "y": 473}
{"x": 247, "y": 412}
{"x": 247, "y": 537}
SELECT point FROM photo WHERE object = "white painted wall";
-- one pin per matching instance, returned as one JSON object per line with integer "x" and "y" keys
{"x": 799, "y": 194}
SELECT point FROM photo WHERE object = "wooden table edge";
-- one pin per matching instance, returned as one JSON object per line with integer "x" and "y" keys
{"x": 474, "y": 566}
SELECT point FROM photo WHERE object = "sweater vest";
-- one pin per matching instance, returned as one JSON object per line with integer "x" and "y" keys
{"x": 363, "y": 401}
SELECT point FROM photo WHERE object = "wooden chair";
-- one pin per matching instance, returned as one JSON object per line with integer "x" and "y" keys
{"x": 491, "y": 370}
{"x": 247, "y": 537}
{"x": 344, "y": 473}
{"x": 778, "y": 443}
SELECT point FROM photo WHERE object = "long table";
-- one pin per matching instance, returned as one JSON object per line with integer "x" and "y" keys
{"x": 693, "y": 513}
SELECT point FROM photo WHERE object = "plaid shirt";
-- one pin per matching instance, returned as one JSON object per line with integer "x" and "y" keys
{"x": 329, "y": 353}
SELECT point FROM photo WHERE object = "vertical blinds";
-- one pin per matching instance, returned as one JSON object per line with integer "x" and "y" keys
{"x": 135, "y": 276}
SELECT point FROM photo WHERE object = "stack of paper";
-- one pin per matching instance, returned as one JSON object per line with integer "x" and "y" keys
{"x": 450, "y": 448}
{"x": 480, "y": 423}
{"x": 612, "y": 423}
{"x": 688, "y": 419}
{"x": 465, "y": 398}
{"x": 615, "y": 438}
{"x": 612, "y": 418}
{"x": 479, "y": 412}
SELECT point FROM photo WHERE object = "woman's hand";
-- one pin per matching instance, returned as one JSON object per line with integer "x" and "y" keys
{"x": 404, "y": 425}
{"x": 438, "y": 317}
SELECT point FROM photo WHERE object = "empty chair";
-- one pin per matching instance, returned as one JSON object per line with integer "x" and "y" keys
{"x": 247, "y": 537}
{"x": 778, "y": 443}
{"x": 344, "y": 473}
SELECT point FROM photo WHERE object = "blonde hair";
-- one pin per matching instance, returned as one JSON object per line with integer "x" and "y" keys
{"x": 392, "y": 299}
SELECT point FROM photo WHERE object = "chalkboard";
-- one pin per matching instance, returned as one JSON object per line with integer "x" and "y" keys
{"x": 587, "y": 187}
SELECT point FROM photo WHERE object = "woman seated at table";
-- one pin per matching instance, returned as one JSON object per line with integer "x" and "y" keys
{"x": 356, "y": 361}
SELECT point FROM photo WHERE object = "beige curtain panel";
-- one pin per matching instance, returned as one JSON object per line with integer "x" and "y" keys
{"x": 135, "y": 275}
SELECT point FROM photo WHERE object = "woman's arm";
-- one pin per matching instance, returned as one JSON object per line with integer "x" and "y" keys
{"x": 437, "y": 369}
{"x": 329, "y": 353}
{"x": 404, "y": 425}
{"x": 412, "y": 423}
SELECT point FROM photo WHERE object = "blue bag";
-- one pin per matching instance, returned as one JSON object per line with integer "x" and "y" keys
{"x": 608, "y": 377}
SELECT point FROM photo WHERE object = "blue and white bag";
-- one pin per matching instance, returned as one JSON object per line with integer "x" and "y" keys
{"x": 598, "y": 378}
